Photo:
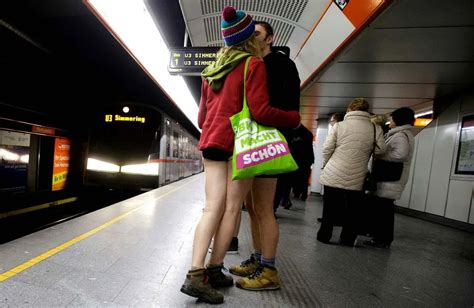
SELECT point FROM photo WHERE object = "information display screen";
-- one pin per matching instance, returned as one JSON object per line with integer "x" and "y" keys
{"x": 190, "y": 61}
{"x": 465, "y": 158}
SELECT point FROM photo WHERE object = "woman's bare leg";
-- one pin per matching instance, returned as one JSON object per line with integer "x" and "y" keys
{"x": 215, "y": 189}
{"x": 236, "y": 192}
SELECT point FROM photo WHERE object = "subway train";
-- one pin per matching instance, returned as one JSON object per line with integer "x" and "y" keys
{"x": 138, "y": 147}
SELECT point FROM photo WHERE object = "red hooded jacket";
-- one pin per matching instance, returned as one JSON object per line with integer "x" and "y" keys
{"x": 216, "y": 108}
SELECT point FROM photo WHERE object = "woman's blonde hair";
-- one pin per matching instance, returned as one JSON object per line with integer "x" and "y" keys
{"x": 358, "y": 104}
{"x": 379, "y": 119}
{"x": 251, "y": 46}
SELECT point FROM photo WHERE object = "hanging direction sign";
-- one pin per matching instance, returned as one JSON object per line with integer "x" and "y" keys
{"x": 190, "y": 61}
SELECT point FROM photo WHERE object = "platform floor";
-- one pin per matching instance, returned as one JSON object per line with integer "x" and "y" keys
{"x": 136, "y": 253}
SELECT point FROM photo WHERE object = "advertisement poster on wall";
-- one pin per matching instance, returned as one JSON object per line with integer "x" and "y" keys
{"x": 14, "y": 157}
{"x": 465, "y": 161}
{"x": 62, "y": 148}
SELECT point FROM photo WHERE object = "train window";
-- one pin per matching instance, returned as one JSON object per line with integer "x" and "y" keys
{"x": 123, "y": 142}
{"x": 14, "y": 161}
{"x": 154, "y": 152}
{"x": 175, "y": 143}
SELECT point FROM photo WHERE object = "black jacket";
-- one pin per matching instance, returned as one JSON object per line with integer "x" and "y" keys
{"x": 283, "y": 81}
{"x": 300, "y": 142}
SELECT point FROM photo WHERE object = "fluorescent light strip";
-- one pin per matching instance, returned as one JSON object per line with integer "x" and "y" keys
{"x": 131, "y": 21}
{"x": 423, "y": 113}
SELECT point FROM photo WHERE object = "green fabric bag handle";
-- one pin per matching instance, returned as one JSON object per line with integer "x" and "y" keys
{"x": 258, "y": 149}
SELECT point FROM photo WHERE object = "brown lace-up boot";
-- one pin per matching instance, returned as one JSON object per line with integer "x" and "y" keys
{"x": 197, "y": 285}
{"x": 217, "y": 278}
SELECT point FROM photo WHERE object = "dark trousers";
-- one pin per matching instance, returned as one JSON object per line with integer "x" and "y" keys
{"x": 301, "y": 180}
{"x": 283, "y": 188}
{"x": 384, "y": 220}
{"x": 340, "y": 206}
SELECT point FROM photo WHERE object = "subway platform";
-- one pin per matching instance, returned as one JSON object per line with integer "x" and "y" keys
{"x": 136, "y": 253}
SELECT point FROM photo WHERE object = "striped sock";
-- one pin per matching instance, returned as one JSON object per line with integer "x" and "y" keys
{"x": 257, "y": 255}
{"x": 268, "y": 262}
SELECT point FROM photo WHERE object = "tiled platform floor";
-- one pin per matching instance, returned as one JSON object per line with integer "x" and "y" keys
{"x": 141, "y": 260}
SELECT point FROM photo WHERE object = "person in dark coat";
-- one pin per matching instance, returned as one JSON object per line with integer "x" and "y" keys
{"x": 301, "y": 147}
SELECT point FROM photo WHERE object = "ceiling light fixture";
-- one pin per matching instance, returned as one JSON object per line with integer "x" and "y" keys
{"x": 423, "y": 113}
{"x": 132, "y": 23}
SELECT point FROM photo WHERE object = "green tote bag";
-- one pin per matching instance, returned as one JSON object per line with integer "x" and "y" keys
{"x": 258, "y": 149}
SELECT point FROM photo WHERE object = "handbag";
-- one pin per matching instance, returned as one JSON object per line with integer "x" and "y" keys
{"x": 258, "y": 149}
{"x": 382, "y": 171}
{"x": 370, "y": 184}
{"x": 386, "y": 171}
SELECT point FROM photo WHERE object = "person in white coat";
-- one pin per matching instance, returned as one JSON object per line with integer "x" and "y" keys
{"x": 400, "y": 145}
{"x": 346, "y": 152}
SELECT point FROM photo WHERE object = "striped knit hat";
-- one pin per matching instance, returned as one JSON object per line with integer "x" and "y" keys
{"x": 236, "y": 26}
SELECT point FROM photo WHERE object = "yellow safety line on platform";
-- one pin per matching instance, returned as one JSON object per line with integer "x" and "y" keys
{"x": 18, "y": 269}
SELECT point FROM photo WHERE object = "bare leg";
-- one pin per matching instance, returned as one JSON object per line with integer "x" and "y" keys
{"x": 236, "y": 192}
{"x": 237, "y": 224}
{"x": 263, "y": 192}
{"x": 254, "y": 227}
{"x": 215, "y": 188}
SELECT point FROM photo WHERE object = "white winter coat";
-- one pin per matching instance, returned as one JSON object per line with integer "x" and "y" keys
{"x": 400, "y": 145}
{"x": 347, "y": 150}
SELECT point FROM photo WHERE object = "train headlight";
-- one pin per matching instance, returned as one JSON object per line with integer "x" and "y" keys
{"x": 145, "y": 169}
{"x": 98, "y": 165}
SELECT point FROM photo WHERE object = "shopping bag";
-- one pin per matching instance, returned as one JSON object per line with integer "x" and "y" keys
{"x": 386, "y": 171}
{"x": 258, "y": 149}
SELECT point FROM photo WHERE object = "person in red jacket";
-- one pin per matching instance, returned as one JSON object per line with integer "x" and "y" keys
{"x": 222, "y": 97}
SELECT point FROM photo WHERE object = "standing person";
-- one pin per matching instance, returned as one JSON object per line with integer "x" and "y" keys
{"x": 222, "y": 97}
{"x": 335, "y": 117}
{"x": 284, "y": 91}
{"x": 346, "y": 152}
{"x": 302, "y": 144}
{"x": 400, "y": 145}
{"x": 380, "y": 119}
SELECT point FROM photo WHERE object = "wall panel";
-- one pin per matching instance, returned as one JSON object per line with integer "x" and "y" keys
{"x": 442, "y": 159}
{"x": 421, "y": 172}
{"x": 459, "y": 200}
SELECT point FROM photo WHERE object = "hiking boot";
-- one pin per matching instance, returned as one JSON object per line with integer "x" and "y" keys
{"x": 196, "y": 285}
{"x": 245, "y": 268}
{"x": 264, "y": 278}
{"x": 217, "y": 278}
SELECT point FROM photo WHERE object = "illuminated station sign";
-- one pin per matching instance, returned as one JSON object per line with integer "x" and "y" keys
{"x": 190, "y": 61}
{"x": 119, "y": 118}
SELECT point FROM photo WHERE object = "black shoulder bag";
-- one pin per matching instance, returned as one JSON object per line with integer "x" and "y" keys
{"x": 386, "y": 171}
{"x": 369, "y": 182}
